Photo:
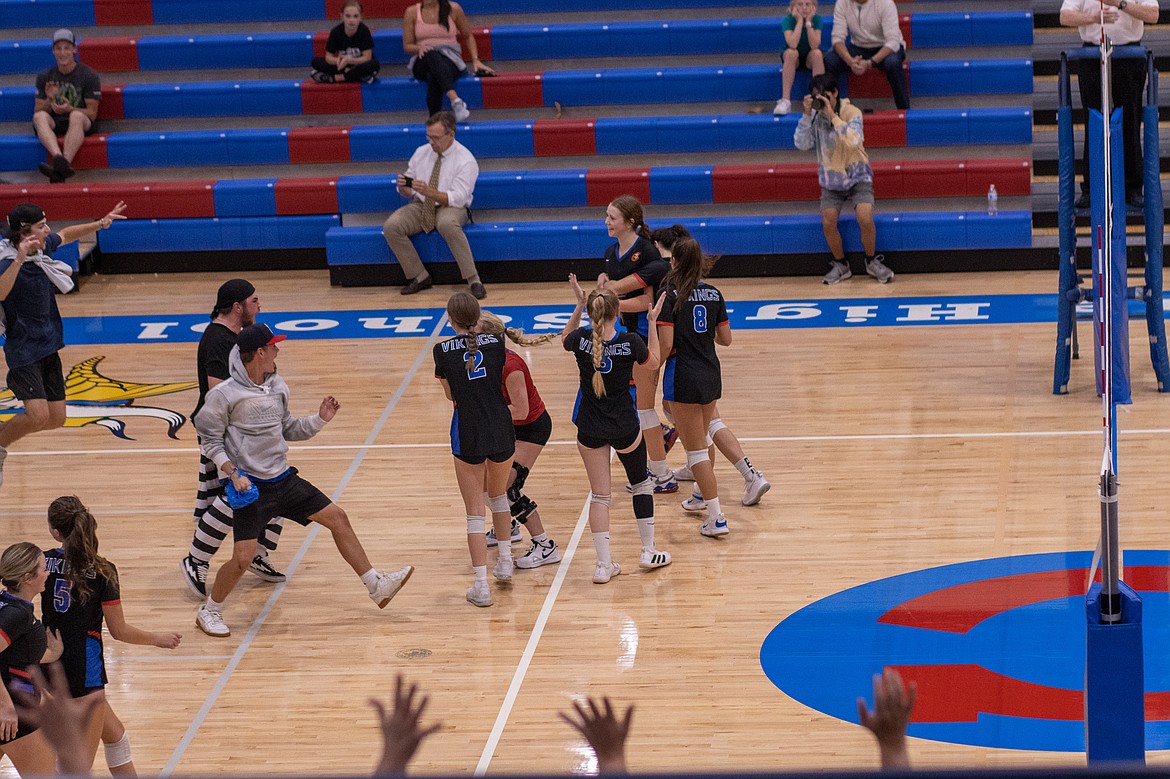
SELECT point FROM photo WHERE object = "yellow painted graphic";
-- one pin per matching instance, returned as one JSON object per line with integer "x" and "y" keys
{"x": 94, "y": 399}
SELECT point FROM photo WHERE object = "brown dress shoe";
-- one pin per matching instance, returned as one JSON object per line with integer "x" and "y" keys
{"x": 417, "y": 286}
{"x": 478, "y": 291}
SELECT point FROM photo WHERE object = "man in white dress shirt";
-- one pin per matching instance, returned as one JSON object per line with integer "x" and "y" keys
{"x": 440, "y": 181}
{"x": 1125, "y": 21}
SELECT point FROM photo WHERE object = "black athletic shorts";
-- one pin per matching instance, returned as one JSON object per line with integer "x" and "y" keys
{"x": 61, "y": 125}
{"x": 618, "y": 444}
{"x": 43, "y": 380}
{"x": 291, "y": 497}
{"x": 476, "y": 459}
{"x": 537, "y": 431}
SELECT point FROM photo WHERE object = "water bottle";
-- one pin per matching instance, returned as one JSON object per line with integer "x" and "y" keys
{"x": 992, "y": 201}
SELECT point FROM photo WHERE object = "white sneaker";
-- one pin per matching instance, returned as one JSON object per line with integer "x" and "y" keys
{"x": 461, "y": 115}
{"x": 754, "y": 489}
{"x": 211, "y": 622}
{"x": 695, "y": 502}
{"x": 480, "y": 595}
{"x": 389, "y": 584}
{"x": 605, "y": 571}
{"x": 782, "y": 107}
{"x": 503, "y": 569}
{"x": 515, "y": 538}
{"x": 653, "y": 558}
{"x": 539, "y": 554}
{"x": 684, "y": 474}
{"x": 716, "y": 527}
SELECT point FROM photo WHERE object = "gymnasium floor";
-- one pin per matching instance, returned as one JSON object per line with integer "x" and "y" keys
{"x": 891, "y": 449}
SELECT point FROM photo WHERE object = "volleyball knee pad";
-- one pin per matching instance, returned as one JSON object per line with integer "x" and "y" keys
{"x": 710, "y": 440}
{"x": 498, "y": 504}
{"x": 644, "y": 487}
{"x": 697, "y": 456}
{"x": 476, "y": 525}
{"x": 600, "y": 500}
{"x": 521, "y": 476}
{"x": 713, "y": 428}
{"x": 648, "y": 418}
{"x": 118, "y": 753}
{"x": 522, "y": 508}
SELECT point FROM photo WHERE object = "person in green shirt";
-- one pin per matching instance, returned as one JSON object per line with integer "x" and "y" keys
{"x": 802, "y": 42}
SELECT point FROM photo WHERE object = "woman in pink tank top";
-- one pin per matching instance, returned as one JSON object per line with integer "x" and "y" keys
{"x": 430, "y": 35}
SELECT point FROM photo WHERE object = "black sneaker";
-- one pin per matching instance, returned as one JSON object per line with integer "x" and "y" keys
{"x": 47, "y": 170}
{"x": 320, "y": 77}
{"x": 62, "y": 166}
{"x": 262, "y": 568}
{"x": 194, "y": 575}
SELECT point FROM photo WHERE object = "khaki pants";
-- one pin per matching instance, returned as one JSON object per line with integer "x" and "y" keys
{"x": 408, "y": 221}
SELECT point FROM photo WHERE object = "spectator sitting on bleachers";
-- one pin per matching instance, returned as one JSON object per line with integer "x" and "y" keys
{"x": 875, "y": 41}
{"x": 66, "y": 104}
{"x": 349, "y": 52}
{"x": 802, "y": 39}
{"x": 833, "y": 127}
{"x": 430, "y": 35}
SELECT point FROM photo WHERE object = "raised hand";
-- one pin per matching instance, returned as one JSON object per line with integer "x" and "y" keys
{"x": 329, "y": 407}
{"x": 401, "y": 732}
{"x": 892, "y": 704}
{"x": 605, "y": 731}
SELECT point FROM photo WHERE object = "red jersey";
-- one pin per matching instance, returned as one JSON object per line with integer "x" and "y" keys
{"x": 513, "y": 363}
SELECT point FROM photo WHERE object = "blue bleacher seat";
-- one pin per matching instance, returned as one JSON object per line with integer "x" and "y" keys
{"x": 750, "y": 82}
{"x": 1007, "y": 228}
{"x": 937, "y": 127}
{"x": 385, "y": 142}
{"x": 258, "y": 146}
{"x": 46, "y": 13}
{"x": 196, "y": 97}
{"x": 16, "y": 103}
{"x": 394, "y": 94}
{"x": 705, "y": 36}
{"x": 168, "y": 52}
{"x": 625, "y": 135}
{"x": 573, "y": 87}
{"x": 370, "y": 194}
{"x": 25, "y": 56}
{"x": 20, "y": 152}
{"x": 687, "y": 133}
{"x": 929, "y": 230}
{"x": 498, "y": 139}
{"x": 649, "y": 38}
{"x": 227, "y": 51}
{"x": 739, "y": 235}
{"x": 681, "y": 184}
{"x": 245, "y": 197}
{"x": 554, "y": 188}
{"x": 759, "y": 131}
{"x": 999, "y": 125}
{"x": 218, "y": 234}
{"x": 284, "y": 49}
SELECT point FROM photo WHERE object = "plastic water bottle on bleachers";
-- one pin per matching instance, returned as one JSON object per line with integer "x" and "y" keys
{"x": 992, "y": 201}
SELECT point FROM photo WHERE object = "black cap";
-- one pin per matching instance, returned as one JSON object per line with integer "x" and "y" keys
{"x": 232, "y": 291}
{"x": 22, "y": 216}
{"x": 254, "y": 336}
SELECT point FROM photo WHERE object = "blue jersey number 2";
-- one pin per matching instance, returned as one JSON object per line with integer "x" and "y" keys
{"x": 700, "y": 319}
{"x": 477, "y": 370}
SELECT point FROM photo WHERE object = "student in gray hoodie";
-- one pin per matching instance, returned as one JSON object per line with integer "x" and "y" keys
{"x": 244, "y": 425}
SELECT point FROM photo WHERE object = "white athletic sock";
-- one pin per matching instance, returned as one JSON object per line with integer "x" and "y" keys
{"x": 480, "y": 572}
{"x": 504, "y": 547}
{"x": 646, "y": 531}
{"x": 713, "y": 510}
{"x": 370, "y": 579}
{"x": 213, "y": 606}
{"x": 540, "y": 539}
{"x": 659, "y": 468}
{"x": 601, "y": 546}
{"x": 745, "y": 468}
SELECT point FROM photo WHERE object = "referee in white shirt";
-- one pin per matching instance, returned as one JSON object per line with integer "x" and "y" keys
{"x": 440, "y": 181}
{"x": 1125, "y": 20}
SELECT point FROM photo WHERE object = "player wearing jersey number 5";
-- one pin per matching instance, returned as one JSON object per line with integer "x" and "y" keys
{"x": 607, "y": 418}
{"x": 694, "y": 320}
{"x": 470, "y": 366}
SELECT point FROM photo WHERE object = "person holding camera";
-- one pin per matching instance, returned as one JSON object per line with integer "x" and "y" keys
{"x": 833, "y": 127}
{"x": 440, "y": 182}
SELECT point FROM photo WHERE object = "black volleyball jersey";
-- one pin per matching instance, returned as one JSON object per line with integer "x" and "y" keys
{"x": 644, "y": 262}
{"x": 80, "y": 622}
{"x": 614, "y": 415}
{"x": 26, "y": 640}
{"x": 481, "y": 423}
{"x": 695, "y": 375}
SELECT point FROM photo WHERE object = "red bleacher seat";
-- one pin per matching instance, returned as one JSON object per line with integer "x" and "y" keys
{"x": 887, "y": 178}
{"x": 179, "y": 199}
{"x": 110, "y": 106}
{"x": 109, "y": 55}
{"x": 885, "y": 128}
{"x": 513, "y": 90}
{"x": 744, "y": 183}
{"x": 120, "y": 12}
{"x": 564, "y": 137}
{"x": 59, "y": 201}
{"x": 330, "y": 98}
{"x": 483, "y": 44}
{"x": 320, "y": 38}
{"x": 933, "y": 178}
{"x": 318, "y": 144}
{"x": 92, "y": 153}
{"x": 1010, "y": 176}
{"x": 798, "y": 182}
{"x": 873, "y": 83}
{"x": 905, "y": 26}
{"x": 602, "y": 185}
{"x": 306, "y": 196}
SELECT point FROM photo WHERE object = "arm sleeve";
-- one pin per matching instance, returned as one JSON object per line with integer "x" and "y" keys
{"x": 803, "y": 139}
{"x": 851, "y": 133}
{"x": 217, "y": 362}
{"x": 365, "y": 38}
{"x": 412, "y": 164}
{"x": 570, "y": 342}
{"x": 840, "y": 22}
{"x": 817, "y": 22}
{"x": 463, "y": 185}
{"x": 212, "y": 422}
{"x": 110, "y": 592}
{"x": 52, "y": 243}
{"x": 436, "y": 351}
{"x": 721, "y": 312}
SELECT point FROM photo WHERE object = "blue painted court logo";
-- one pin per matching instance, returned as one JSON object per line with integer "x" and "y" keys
{"x": 997, "y": 648}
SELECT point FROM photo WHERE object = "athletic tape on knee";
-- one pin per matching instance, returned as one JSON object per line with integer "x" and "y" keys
{"x": 648, "y": 418}
{"x": 476, "y": 525}
{"x": 697, "y": 456}
{"x": 521, "y": 475}
{"x": 715, "y": 426}
{"x": 498, "y": 504}
{"x": 600, "y": 500}
{"x": 118, "y": 753}
{"x": 644, "y": 487}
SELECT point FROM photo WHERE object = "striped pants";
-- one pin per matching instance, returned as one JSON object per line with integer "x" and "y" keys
{"x": 213, "y": 517}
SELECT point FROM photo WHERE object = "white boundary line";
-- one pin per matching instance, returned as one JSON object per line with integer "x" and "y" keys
{"x": 260, "y": 618}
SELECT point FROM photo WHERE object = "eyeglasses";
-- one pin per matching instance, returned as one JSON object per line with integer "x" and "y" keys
{"x": 438, "y": 137}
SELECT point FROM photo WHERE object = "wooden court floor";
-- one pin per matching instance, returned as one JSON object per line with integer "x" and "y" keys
{"x": 889, "y": 450}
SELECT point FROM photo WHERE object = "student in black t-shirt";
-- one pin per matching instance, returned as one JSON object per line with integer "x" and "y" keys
{"x": 606, "y": 418}
{"x": 81, "y": 591}
{"x": 694, "y": 320}
{"x": 66, "y": 105}
{"x": 634, "y": 270}
{"x": 24, "y": 642}
{"x": 349, "y": 52}
{"x": 470, "y": 367}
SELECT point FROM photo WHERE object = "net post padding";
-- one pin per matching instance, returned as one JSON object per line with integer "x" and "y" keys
{"x": 1069, "y": 296}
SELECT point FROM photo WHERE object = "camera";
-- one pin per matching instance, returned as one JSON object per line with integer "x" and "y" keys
{"x": 820, "y": 102}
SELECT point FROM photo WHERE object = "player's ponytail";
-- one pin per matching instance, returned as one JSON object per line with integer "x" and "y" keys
{"x": 78, "y": 530}
{"x": 490, "y": 323}
{"x": 602, "y": 306}
{"x": 463, "y": 311}
{"x": 686, "y": 270}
